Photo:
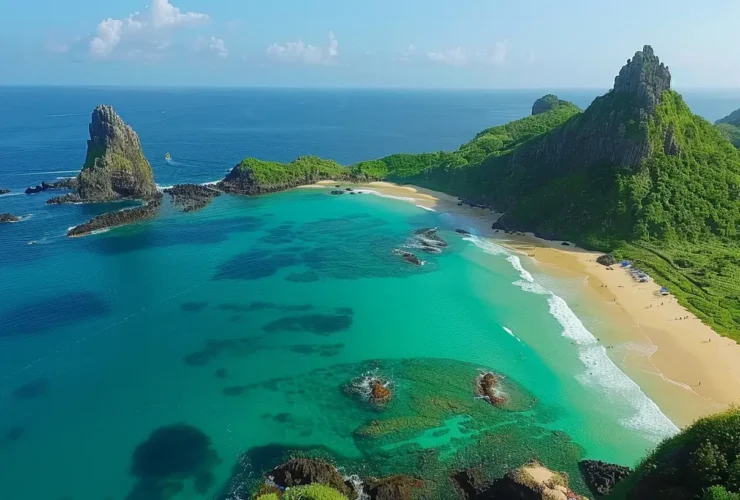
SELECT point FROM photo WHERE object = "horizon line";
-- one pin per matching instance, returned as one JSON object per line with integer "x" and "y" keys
{"x": 331, "y": 88}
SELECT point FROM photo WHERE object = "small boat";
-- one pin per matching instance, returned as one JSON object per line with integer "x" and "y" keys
{"x": 167, "y": 156}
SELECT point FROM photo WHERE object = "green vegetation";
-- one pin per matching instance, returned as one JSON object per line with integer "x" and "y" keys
{"x": 731, "y": 132}
{"x": 729, "y": 126}
{"x": 313, "y": 491}
{"x": 495, "y": 141}
{"x": 703, "y": 461}
{"x": 303, "y": 170}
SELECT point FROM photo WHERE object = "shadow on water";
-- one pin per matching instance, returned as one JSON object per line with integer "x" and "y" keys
{"x": 49, "y": 313}
{"x": 169, "y": 233}
{"x": 171, "y": 456}
{"x": 31, "y": 390}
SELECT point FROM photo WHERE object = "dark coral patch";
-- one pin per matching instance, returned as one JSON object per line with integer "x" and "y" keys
{"x": 255, "y": 264}
{"x": 317, "y": 324}
{"x": 193, "y": 306}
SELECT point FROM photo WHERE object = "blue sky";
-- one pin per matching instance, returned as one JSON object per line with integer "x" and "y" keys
{"x": 350, "y": 43}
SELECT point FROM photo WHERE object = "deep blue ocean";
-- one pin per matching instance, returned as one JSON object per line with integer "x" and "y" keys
{"x": 233, "y": 329}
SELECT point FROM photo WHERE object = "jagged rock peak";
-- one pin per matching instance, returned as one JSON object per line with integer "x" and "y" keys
{"x": 645, "y": 77}
{"x": 545, "y": 104}
{"x": 115, "y": 166}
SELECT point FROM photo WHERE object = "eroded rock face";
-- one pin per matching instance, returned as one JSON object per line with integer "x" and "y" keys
{"x": 532, "y": 481}
{"x": 392, "y": 488}
{"x": 601, "y": 477}
{"x": 302, "y": 471}
{"x": 645, "y": 77}
{"x": 115, "y": 166}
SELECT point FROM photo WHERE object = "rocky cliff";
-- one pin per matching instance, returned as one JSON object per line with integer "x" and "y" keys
{"x": 115, "y": 166}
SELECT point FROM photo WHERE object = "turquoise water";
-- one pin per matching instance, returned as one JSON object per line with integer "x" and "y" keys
{"x": 230, "y": 332}
{"x": 115, "y": 341}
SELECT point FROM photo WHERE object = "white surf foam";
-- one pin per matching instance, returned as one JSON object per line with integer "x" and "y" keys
{"x": 601, "y": 372}
{"x": 384, "y": 195}
{"x": 508, "y": 330}
{"x": 428, "y": 209}
{"x": 487, "y": 246}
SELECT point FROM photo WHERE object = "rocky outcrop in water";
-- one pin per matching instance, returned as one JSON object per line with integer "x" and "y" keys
{"x": 69, "y": 183}
{"x": 115, "y": 166}
{"x": 191, "y": 197}
{"x": 408, "y": 257}
{"x": 398, "y": 487}
{"x": 302, "y": 471}
{"x": 601, "y": 477}
{"x": 6, "y": 218}
{"x": 4, "y": 191}
{"x": 119, "y": 218}
{"x": 486, "y": 386}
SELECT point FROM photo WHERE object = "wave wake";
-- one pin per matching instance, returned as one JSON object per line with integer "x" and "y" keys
{"x": 601, "y": 373}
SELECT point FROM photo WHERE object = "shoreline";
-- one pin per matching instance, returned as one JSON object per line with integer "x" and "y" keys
{"x": 682, "y": 365}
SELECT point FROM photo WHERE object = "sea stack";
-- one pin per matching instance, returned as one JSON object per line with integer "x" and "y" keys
{"x": 115, "y": 166}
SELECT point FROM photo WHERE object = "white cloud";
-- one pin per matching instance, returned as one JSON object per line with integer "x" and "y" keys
{"x": 454, "y": 57}
{"x": 459, "y": 56}
{"x": 299, "y": 52}
{"x": 496, "y": 56}
{"x": 140, "y": 34}
{"x": 56, "y": 47}
{"x": 408, "y": 52}
{"x": 213, "y": 45}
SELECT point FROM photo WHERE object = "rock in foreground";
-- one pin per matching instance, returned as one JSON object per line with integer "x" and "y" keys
{"x": 601, "y": 477}
{"x": 190, "y": 197}
{"x": 5, "y": 218}
{"x": 532, "y": 481}
{"x": 115, "y": 166}
{"x": 392, "y": 488}
{"x": 119, "y": 218}
{"x": 302, "y": 471}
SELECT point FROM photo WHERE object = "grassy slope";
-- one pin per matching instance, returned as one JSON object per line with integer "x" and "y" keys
{"x": 684, "y": 466}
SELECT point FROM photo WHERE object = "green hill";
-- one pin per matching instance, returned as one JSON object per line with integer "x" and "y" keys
{"x": 703, "y": 462}
{"x": 730, "y": 127}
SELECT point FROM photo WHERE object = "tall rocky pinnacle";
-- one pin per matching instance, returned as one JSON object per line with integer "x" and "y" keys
{"x": 115, "y": 166}
{"x": 644, "y": 77}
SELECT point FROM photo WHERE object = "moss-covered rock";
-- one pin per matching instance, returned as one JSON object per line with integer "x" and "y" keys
{"x": 115, "y": 166}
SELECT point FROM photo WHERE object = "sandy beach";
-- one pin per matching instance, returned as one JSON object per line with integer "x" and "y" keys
{"x": 683, "y": 365}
